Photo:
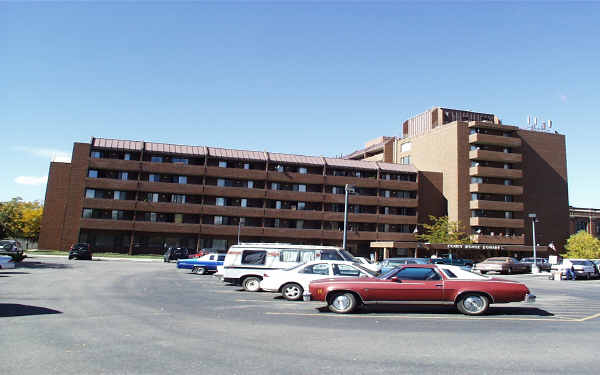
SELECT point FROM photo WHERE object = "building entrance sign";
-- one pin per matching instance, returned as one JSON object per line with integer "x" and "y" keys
{"x": 475, "y": 247}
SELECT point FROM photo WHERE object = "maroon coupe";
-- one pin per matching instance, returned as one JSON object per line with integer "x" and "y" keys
{"x": 432, "y": 283}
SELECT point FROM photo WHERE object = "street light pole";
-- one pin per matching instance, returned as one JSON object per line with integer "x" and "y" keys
{"x": 534, "y": 267}
{"x": 347, "y": 189}
{"x": 239, "y": 229}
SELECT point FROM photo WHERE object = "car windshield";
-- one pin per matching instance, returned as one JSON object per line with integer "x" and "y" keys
{"x": 387, "y": 274}
{"x": 347, "y": 256}
{"x": 365, "y": 270}
{"x": 5, "y": 244}
{"x": 495, "y": 260}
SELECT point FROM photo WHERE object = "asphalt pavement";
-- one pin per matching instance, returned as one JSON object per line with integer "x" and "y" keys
{"x": 62, "y": 316}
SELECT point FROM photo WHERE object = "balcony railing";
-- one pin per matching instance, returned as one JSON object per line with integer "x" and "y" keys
{"x": 497, "y": 239}
{"x": 496, "y": 172}
{"x": 496, "y": 140}
{"x": 503, "y": 157}
{"x": 495, "y": 205}
{"x": 492, "y": 222}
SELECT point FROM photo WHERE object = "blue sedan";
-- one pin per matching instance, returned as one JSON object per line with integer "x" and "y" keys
{"x": 203, "y": 265}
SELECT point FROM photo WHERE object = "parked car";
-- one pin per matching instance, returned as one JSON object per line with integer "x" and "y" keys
{"x": 505, "y": 265}
{"x": 583, "y": 268}
{"x": 81, "y": 251}
{"x": 175, "y": 253}
{"x": 292, "y": 282}
{"x": 6, "y": 261}
{"x": 542, "y": 263}
{"x": 375, "y": 267}
{"x": 205, "y": 264}
{"x": 391, "y": 263}
{"x": 12, "y": 248}
{"x": 245, "y": 264}
{"x": 597, "y": 263}
{"x": 430, "y": 283}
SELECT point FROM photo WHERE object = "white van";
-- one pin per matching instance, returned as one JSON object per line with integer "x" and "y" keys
{"x": 246, "y": 264}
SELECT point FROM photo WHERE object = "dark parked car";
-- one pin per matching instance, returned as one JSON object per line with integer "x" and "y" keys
{"x": 174, "y": 253}
{"x": 542, "y": 263}
{"x": 81, "y": 251}
{"x": 502, "y": 265}
{"x": 12, "y": 248}
{"x": 452, "y": 261}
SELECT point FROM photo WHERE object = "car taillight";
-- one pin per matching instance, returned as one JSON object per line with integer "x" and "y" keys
{"x": 265, "y": 275}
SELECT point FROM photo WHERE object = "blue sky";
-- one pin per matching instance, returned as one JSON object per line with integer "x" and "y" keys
{"x": 312, "y": 78}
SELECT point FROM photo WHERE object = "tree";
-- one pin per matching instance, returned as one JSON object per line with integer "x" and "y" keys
{"x": 442, "y": 230}
{"x": 583, "y": 245}
{"x": 21, "y": 219}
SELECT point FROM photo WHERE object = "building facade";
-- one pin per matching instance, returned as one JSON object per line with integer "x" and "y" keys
{"x": 493, "y": 175}
{"x": 586, "y": 219}
{"x": 139, "y": 197}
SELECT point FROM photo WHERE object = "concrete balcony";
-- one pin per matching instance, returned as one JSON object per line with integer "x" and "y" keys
{"x": 503, "y": 157}
{"x": 498, "y": 240}
{"x": 492, "y": 222}
{"x": 496, "y": 189}
{"x": 496, "y": 172}
{"x": 495, "y": 140}
{"x": 495, "y": 205}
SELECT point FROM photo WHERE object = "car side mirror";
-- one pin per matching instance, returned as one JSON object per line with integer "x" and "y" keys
{"x": 395, "y": 279}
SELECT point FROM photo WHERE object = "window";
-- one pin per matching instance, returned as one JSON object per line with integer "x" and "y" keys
{"x": 222, "y": 164}
{"x": 218, "y": 220}
{"x": 246, "y": 165}
{"x": 153, "y": 216}
{"x": 345, "y": 270}
{"x": 221, "y": 258}
{"x": 279, "y": 168}
{"x": 288, "y": 255}
{"x": 180, "y": 160}
{"x": 317, "y": 269}
{"x": 177, "y": 198}
{"x": 90, "y": 193}
{"x": 178, "y": 218}
{"x": 153, "y": 178}
{"x": 508, "y": 215}
{"x": 411, "y": 273}
{"x": 96, "y": 154}
{"x": 405, "y": 160}
{"x": 87, "y": 213}
{"x": 278, "y": 205}
{"x": 115, "y": 214}
{"x": 220, "y": 201}
{"x": 256, "y": 257}
{"x": 307, "y": 255}
{"x": 302, "y": 170}
{"x": 244, "y": 202}
{"x": 221, "y": 182}
{"x": 301, "y": 205}
{"x": 507, "y": 182}
{"x": 250, "y": 184}
{"x": 405, "y": 147}
{"x": 156, "y": 159}
{"x": 449, "y": 273}
{"x": 92, "y": 173}
{"x": 275, "y": 186}
{"x": 182, "y": 180}
{"x": 330, "y": 255}
{"x": 117, "y": 195}
{"x": 477, "y": 180}
{"x": 127, "y": 156}
{"x": 301, "y": 187}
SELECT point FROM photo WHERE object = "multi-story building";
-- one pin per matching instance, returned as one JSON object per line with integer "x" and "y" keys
{"x": 493, "y": 175}
{"x": 138, "y": 197}
{"x": 586, "y": 219}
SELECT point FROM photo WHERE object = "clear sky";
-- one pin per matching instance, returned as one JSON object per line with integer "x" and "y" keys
{"x": 317, "y": 78}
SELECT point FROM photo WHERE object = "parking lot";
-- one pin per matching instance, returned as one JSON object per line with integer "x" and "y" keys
{"x": 61, "y": 316}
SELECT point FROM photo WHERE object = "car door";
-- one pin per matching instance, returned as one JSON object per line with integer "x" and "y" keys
{"x": 414, "y": 284}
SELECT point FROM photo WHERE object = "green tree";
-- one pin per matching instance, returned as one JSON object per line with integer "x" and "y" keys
{"x": 583, "y": 245}
{"x": 442, "y": 230}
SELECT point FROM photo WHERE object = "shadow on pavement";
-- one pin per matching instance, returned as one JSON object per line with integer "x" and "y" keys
{"x": 446, "y": 310}
{"x": 33, "y": 264}
{"x": 14, "y": 309}
{"x": 14, "y": 273}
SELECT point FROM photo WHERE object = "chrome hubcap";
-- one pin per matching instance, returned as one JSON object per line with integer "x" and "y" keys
{"x": 292, "y": 292}
{"x": 473, "y": 304}
{"x": 252, "y": 285}
{"x": 341, "y": 302}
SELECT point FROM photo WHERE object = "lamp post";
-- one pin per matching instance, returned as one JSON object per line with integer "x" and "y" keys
{"x": 534, "y": 267}
{"x": 348, "y": 189}
{"x": 239, "y": 229}
{"x": 415, "y": 232}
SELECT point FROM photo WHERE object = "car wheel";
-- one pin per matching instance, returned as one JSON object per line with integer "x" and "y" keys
{"x": 483, "y": 272}
{"x": 292, "y": 291}
{"x": 199, "y": 270}
{"x": 473, "y": 304}
{"x": 71, "y": 257}
{"x": 342, "y": 303}
{"x": 251, "y": 284}
{"x": 588, "y": 276}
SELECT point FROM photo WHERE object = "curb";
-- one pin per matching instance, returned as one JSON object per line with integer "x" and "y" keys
{"x": 95, "y": 258}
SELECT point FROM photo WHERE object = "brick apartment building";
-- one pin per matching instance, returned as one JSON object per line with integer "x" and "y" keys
{"x": 586, "y": 219}
{"x": 138, "y": 197}
{"x": 492, "y": 175}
